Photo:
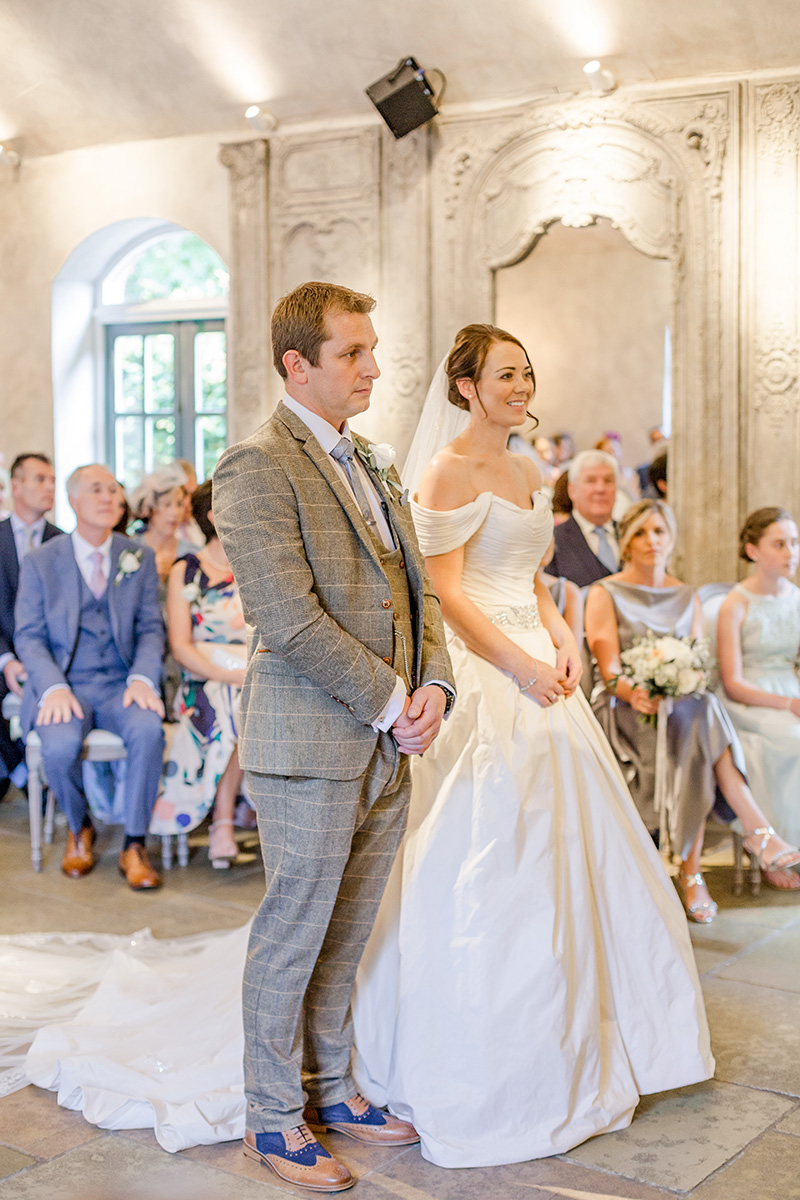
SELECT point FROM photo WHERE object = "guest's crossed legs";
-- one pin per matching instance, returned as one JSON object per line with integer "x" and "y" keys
{"x": 143, "y": 735}
{"x": 328, "y": 847}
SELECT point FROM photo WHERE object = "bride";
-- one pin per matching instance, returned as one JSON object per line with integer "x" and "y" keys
{"x": 530, "y": 973}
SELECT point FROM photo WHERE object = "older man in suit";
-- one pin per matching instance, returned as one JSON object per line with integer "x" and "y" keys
{"x": 90, "y": 636}
{"x": 33, "y": 491}
{"x": 586, "y": 544}
{"x": 348, "y": 676}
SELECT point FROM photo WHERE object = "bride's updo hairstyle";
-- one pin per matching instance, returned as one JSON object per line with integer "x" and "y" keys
{"x": 757, "y": 525}
{"x": 638, "y": 515}
{"x": 466, "y": 359}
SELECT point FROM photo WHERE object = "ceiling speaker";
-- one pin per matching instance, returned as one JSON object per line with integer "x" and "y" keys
{"x": 404, "y": 98}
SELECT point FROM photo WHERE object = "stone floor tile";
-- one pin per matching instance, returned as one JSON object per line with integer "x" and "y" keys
{"x": 410, "y": 1177}
{"x": 725, "y": 938}
{"x": 773, "y": 963}
{"x": 791, "y": 1123}
{"x": 32, "y": 1121}
{"x": 12, "y": 1161}
{"x": 768, "y": 1170}
{"x": 115, "y": 1168}
{"x": 679, "y": 1138}
{"x": 755, "y": 1034}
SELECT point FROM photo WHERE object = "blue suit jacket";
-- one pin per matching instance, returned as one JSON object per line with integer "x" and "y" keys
{"x": 573, "y": 557}
{"x": 48, "y": 615}
{"x": 9, "y": 580}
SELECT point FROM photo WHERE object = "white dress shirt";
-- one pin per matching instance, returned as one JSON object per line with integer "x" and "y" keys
{"x": 21, "y": 531}
{"x": 592, "y": 540}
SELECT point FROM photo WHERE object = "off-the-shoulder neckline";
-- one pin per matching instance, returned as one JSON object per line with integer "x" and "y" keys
{"x": 471, "y": 503}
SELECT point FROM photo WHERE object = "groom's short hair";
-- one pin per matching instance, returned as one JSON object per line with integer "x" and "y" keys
{"x": 298, "y": 322}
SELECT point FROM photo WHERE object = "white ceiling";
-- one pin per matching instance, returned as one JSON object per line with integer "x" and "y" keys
{"x": 82, "y": 72}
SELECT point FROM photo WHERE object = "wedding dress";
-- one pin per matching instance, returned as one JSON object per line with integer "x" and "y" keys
{"x": 530, "y": 973}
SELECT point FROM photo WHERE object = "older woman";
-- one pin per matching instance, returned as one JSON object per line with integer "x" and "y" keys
{"x": 159, "y": 506}
{"x": 207, "y": 637}
{"x": 703, "y": 749}
{"x": 758, "y": 642}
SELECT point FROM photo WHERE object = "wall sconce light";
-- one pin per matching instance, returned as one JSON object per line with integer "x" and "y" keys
{"x": 601, "y": 80}
{"x": 262, "y": 120}
{"x": 8, "y": 158}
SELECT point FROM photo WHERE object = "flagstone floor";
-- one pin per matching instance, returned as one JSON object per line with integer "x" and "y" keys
{"x": 734, "y": 1138}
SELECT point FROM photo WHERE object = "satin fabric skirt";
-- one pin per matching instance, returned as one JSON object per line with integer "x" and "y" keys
{"x": 530, "y": 973}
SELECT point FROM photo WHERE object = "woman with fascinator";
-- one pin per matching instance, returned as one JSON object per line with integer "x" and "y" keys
{"x": 530, "y": 973}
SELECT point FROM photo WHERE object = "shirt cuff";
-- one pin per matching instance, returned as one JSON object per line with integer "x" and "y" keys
{"x": 6, "y": 658}
{"x": 142, "y": 679}
{"x": 55, "y": 688}
{"x": 393, "y": 709}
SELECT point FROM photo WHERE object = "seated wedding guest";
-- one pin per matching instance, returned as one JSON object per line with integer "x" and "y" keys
{"x": 90, "y": 636}
{"x": 628, "y": 490}
{"x": 658, "y": 442}
{"x": 189, "y": 530}
{"x": 561, "y": 503}
{"x": 657, "y": 474}
{"x": 564, "y": 446}
{"x": 586, "y": 543}
{"x": 758, "y": 642}
{"x": 32, "y": 493}
{"x": 703, "y": 752}
{"x": 159, "y": 507}
{"x": 5, "y": 493}
{"x": 567, "y": 598}
{"x": 207, "y": 636}
{"x": 123, "y": 522}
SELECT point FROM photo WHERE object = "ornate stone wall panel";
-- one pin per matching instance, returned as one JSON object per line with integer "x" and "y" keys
{"x": 249, "y": 364}
{"x": 771, "y": 361}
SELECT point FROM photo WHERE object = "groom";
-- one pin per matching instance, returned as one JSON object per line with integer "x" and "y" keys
{"x": 349, "y": 675}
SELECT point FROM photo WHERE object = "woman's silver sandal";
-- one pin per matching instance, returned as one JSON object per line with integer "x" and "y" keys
{"x": 789, "y": 857}
{"x": 702, "y": 912}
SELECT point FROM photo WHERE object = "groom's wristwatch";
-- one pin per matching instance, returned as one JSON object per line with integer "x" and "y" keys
{"x": 449, "y": 694}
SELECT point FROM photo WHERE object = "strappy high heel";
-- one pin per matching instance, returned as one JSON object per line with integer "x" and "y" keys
{"x": 788, "y": 857}
{"x": 702, "y": 912}
{"x": 222, "y": 848}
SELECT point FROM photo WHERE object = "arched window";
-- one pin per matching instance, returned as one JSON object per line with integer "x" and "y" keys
{"x": 161, "y": 309}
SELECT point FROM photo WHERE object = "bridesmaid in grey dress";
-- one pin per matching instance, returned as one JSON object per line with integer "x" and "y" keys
{"x": 703, "y": 751}
{"x": 758, "y": 642}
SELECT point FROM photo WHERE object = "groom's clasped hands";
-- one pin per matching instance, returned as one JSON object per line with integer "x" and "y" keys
{"x": 418, "y": 724}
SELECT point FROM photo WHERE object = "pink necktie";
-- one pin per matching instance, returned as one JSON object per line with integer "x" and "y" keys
{"x": 97, "y": 583}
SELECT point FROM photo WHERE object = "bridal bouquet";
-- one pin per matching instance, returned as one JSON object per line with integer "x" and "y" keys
{"x": 667, "y": 666}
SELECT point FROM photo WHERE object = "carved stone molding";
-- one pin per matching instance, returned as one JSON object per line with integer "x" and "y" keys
{"x": 249, "y": 361}
{"x": 777, "y": 374}
{"x": 777, "y": 120}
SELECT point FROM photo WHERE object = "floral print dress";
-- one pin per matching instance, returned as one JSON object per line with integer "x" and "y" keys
{"x": 207, "y": 731}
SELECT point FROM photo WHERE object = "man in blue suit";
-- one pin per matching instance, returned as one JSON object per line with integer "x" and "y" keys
{"x": 90, "y": 635}
{"x": 33, "y": 491}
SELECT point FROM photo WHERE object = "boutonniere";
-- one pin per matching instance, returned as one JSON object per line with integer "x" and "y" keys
{"x": 380, "y": 457}
{"x": 129, "y": 563}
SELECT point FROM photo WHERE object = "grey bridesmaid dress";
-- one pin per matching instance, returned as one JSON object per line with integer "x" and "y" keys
{"x": 698, "y": 730}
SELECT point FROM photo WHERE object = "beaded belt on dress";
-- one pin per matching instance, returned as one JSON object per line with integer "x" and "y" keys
{"x": 520, "y": 616}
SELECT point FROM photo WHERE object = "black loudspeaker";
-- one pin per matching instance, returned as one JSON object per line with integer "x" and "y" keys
{"x": 404, "y": 98}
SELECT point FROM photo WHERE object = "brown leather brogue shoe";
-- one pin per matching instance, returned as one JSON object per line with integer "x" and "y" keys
{"x": 298, "y": 1158}
{"x": 360, "y": 1120}
{"x": 137, "y": 869}
{"x": 78, "y": 857}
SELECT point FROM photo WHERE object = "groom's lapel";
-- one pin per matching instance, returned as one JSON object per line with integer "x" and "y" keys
{"x": 324, "y": 465}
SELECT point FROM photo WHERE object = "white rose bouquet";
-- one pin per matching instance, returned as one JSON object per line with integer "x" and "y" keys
{"x": 667, "y": 666}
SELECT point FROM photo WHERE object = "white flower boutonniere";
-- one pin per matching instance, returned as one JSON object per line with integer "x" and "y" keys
{"x": 380, "y": 457}
{"x": 129, "y": 562}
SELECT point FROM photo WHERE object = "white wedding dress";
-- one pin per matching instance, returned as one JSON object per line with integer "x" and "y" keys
{"x": 530, "y": 973}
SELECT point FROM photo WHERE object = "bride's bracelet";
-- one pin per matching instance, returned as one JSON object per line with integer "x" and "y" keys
{"x": 533, "y": 678}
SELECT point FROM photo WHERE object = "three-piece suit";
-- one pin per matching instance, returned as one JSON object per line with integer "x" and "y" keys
{"x": 338, "y": 617}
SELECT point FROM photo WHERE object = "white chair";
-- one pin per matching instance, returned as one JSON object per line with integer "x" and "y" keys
{"x": 99, "y": 746}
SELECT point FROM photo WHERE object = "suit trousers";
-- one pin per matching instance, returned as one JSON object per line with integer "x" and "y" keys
{"x": 328, "y": 847}
{"x": 141, "y": 731}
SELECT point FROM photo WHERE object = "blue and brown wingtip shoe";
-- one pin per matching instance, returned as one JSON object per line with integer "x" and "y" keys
{"x": 363, "y": 1122}
{"x": 298, "y": 1158}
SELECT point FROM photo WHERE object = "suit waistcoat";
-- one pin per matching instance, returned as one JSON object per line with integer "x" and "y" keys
{"x": 96, "y": 651}
{"x": 403, "y": 656}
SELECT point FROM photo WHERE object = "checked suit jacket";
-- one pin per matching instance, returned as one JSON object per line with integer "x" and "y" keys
{"x": 312, "y": 584}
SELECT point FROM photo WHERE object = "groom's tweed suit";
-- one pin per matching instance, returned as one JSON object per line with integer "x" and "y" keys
{"x": 326, "y": 600}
